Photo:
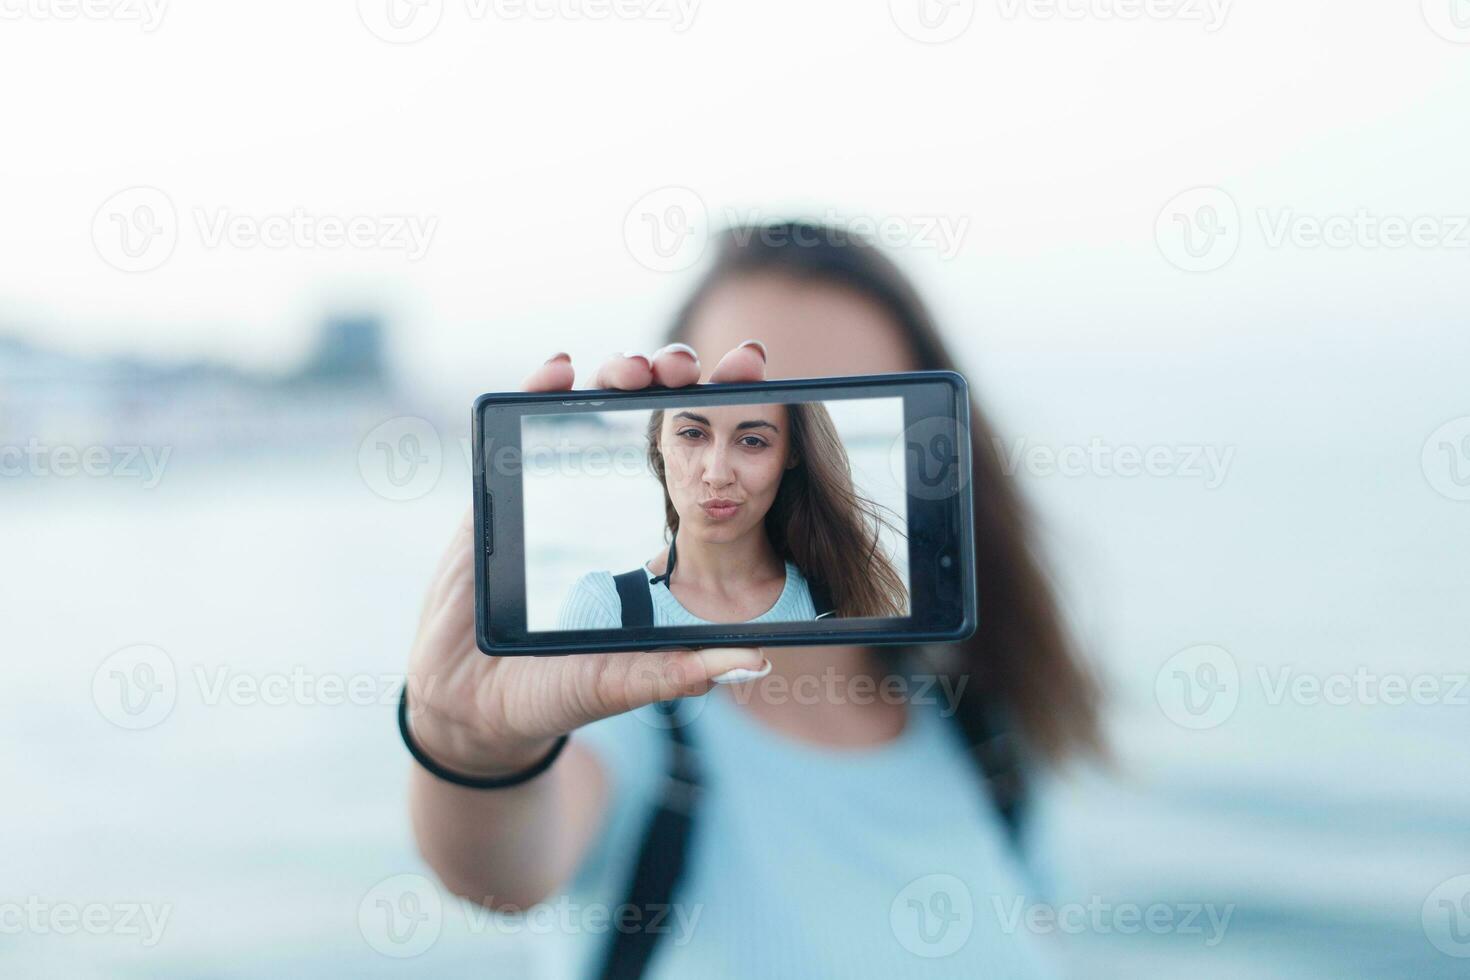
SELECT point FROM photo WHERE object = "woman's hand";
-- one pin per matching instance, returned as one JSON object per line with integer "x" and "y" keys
{"x": 484, "y": 715}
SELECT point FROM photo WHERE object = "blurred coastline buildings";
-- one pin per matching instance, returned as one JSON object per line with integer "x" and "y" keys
{"x": 57, "y": 398}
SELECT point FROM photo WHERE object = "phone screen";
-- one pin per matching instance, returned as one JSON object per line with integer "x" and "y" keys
{"x": 786, "y": 512}
{"x": 808, "y": 495}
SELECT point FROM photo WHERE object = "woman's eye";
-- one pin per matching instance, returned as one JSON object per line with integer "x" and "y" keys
{"x": 753, "y": 442}
{"x": 691, "y": 433}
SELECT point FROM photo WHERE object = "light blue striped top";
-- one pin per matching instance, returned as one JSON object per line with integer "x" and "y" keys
{"x": 593, "y": 604}
{"x": 806, "y": 861}
{"x": 864, "y": 864}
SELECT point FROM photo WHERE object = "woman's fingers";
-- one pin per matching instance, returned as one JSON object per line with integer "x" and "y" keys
{"x": 626, "y": 681}
{"x": 745, "y": 363}
{"x": 556, "y": 374}
{"x": 625, "y": 372}
{"x": 675, "y": 366}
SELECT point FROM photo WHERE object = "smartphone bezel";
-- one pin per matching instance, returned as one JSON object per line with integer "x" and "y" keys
{"x": 942, "y": 602}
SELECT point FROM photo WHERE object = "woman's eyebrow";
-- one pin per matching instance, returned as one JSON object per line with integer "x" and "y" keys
{"x": 748, "y": 424}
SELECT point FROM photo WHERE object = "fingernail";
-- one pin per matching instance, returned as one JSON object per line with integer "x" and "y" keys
{"x": 740, "y": 674}
{"x": 677, "y": 349}
{"x": 559, "y": 356}
{"x": 638, "y": 356}
{"x": 760, "y": 347}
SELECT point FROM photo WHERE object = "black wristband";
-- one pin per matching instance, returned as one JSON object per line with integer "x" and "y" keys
{"x": 459, "y": 779}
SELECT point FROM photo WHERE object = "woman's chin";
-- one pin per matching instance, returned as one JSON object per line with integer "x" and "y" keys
{"x": 714, "y": 531}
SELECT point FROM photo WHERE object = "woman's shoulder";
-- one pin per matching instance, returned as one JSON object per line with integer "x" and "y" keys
{"x": 591, "y": 603}
{"x": 795, "y": 601}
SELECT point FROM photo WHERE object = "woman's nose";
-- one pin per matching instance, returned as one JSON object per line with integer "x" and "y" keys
{"x": 717, "y": 471}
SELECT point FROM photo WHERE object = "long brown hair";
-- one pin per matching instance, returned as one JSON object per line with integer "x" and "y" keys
{"x": 818, "y": 520}
{"x": 1020, "y": 662}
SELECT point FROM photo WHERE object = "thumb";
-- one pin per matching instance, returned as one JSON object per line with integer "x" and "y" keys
{"x": 629, "y": 681}
{"x": 732, "y": 665}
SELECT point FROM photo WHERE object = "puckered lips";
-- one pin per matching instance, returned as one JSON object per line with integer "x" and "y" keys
{"x": 720, "y": 508}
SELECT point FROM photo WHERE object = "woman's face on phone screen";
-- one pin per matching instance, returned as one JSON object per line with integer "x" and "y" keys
{"x": 723, "y": 466}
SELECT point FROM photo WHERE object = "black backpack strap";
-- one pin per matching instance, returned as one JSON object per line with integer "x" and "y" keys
{"x": 821, "y": 598}
{"x": 660, "y": 862}
{"x": 997, "y": 752}
{"x": 633, "y": 593}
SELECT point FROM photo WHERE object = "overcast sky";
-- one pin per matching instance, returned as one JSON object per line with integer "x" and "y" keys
{"x": 499, "y": 167}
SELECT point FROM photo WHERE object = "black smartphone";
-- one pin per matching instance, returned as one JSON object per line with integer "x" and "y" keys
{"x": 588, "y": 504}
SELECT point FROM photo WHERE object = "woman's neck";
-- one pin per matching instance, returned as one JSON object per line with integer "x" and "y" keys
{"x": 725, "y": 566}
{"x": 824, "y": 696}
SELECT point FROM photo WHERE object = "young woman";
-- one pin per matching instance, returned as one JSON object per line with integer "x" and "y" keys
{"x": 757, "y": 494}
{"x": 832, "y": 834}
